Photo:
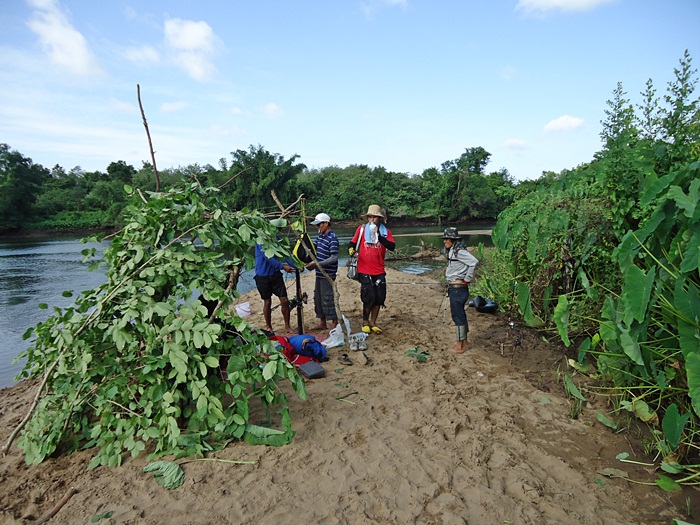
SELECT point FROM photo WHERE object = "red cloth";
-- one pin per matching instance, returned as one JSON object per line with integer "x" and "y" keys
{"x": 289, "y": 352}
{"x": 371, "y": 258}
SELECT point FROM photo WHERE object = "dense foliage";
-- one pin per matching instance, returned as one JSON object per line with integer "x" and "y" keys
{"x": 608, "y": 254}
{"x": 37, "y": 198}
{"x": 140, "y": 362}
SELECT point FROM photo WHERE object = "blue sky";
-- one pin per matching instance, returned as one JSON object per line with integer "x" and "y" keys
{"x": 403, "y": 84}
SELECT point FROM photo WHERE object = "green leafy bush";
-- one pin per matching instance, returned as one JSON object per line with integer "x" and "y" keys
{"x": 138, "y": 363}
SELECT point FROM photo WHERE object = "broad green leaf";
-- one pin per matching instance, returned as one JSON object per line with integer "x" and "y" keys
{"x": 168, "y": 474}
{"x": 211, "y": 361}
{"x": 691, "y": 254}
{"x": 673, "y": 424}
{"x": 638, "y": 286}
{"x": 630, "y": 346}
{"x": 102, "y": 515}
{"x": 668, "y": 484}
{"x": 178, "y": 359}
{"x": 269, "y": 370}
{"x": 257, "y": 435}
{"x": 161, "y": 309}
{"x": 687, "y": 301}
{"x": 561, "y": 318}
{"x": 686, "y": 202}
{"x": 607, "y": 329}
{"x": 245, "y": 232}
{"x": 692, "y": 368}
{"x": 571, "y": 387}
{"x": 606, "y": 421}
{"x": 526, "y": 306}
{"x": 236, "y": 363}
{"x": 641, "y": 410}
{"x": 499, "y": 234}
{"x": 279, "y": 223}
{"x": 672, "y": 467}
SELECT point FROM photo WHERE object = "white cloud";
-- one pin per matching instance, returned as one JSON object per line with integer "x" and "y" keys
{"x": 142, "y": 55}
{"x": 272, "y": 110}
{"x": 193, "y": 44}
{"x": 515, "y": 145}
{"x": 564, "y": 123}
{"x": 169, "y": 107}
{"x": 542, "y": 6}
{"x": 123, "y": 107}
{"x": 65, "y": 46}
{"x": 370, "y": 7}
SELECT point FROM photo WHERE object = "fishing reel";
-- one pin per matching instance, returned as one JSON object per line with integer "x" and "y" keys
{"x": 294, "y": 301}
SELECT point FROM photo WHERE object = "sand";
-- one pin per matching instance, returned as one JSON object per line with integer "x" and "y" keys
{"x": 481, "y": 438}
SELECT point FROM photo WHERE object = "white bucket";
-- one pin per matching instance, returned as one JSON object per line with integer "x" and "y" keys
{"x": 243, "y": 309}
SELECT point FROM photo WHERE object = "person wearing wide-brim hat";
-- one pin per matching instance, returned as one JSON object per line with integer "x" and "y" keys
{"x": 459, "y": 273}
{"x": 373, "y": 240}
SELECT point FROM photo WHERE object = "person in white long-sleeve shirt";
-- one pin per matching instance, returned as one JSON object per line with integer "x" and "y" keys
{"x": 459, "y": 273}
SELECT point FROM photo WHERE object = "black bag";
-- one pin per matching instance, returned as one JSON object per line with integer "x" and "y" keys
{"x": 352, "y": 263}
{"x": 303, "y": 248}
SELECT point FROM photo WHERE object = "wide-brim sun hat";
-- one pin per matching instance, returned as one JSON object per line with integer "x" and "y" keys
{"x": 321, "y": 217}
{"x": 451, "y": 233}
{"x": 374, "y": 210}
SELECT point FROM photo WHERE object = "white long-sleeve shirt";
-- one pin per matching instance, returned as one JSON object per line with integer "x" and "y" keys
{"x": 460, "y": 264}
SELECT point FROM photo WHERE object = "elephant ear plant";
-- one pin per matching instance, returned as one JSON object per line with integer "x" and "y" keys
{"x": 139, "y": 363}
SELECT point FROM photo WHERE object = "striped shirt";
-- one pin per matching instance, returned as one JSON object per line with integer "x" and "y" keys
{"x": 326, "y": 246}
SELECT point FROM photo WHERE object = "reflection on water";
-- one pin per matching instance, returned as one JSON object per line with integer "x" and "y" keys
{"x": 40, "y": 270}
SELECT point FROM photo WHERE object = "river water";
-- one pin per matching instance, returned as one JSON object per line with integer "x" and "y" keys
{"x": 39, "y": 270}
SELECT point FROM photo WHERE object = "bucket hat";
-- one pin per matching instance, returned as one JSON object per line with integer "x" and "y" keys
{"x": 374, "y": 210}
{"x": 451, "y": 233}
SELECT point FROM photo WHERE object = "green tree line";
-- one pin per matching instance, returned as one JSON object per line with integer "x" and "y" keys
{"x": 34, "y": 197}
{"x": 606, "y": 255}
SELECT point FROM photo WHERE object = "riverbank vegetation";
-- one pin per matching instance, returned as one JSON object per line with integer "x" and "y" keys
{"x": 37, "y": 198}
{"x": 606, "y": 256}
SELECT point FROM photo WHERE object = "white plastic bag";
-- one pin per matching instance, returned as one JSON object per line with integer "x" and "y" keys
{"x": 243, "y": 309}
{"x": 336, "y": 336}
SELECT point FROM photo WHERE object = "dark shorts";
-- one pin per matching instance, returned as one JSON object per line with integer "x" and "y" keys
{"x": 324, "y": 300}
{"x": 269, "y": 285}
{"x": 372, "y": 290}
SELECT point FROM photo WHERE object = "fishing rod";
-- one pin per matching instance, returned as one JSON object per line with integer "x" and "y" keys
{"x": 430, "y": 283}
